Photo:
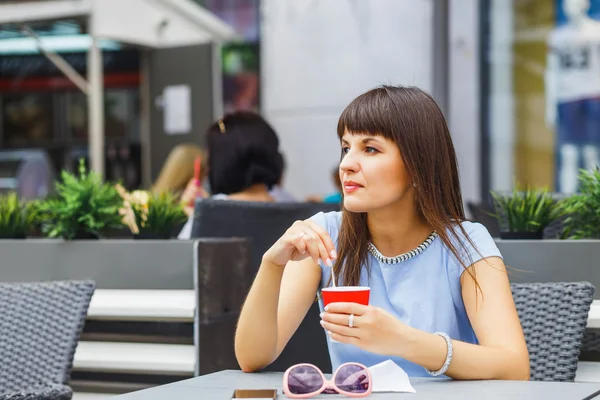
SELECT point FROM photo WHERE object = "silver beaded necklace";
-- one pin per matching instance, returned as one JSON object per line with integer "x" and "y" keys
{"x": 402, "y": 257}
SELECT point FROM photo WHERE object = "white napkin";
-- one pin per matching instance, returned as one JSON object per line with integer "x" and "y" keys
{"x": 389, "y": 377}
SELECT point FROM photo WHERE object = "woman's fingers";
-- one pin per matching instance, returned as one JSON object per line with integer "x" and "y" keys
{"x": 312, "y": 243}
{"x": 299, "y": 243}
{"x": 325, "y": 239}
{"x": 307, "y": 239}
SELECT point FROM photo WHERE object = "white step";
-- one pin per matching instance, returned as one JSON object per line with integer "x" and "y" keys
{"x": 91, "y": 396}
{"x": 150, "y": 358}
{"x": 588, "y": 371}
{"x": 144, "y": 305}
{"x": 594, "y": 315}
{"x": 179, "y": 305}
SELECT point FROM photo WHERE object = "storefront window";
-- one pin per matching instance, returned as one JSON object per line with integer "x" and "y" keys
{"x": 118, "y": 111}
{"x": 28, "y": 119}
{"x": 240, "y": 59}
{"x": 542, "y": 105}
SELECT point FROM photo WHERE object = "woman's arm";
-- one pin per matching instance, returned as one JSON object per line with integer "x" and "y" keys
{"x": 500, "y": 354}
{"x": 275, "y": 307}
{"x": 281, "y": 295}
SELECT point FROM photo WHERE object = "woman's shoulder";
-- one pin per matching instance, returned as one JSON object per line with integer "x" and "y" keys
{"x": 477, "y": 244}
{"x": 475, "y": 230}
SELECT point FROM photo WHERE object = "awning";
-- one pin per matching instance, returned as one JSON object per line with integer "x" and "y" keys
{"x": 149, "y": 23}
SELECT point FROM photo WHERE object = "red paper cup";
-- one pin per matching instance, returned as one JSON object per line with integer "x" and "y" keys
{"x": 346, "y": 294}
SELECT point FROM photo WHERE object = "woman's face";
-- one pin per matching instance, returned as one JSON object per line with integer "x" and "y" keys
{"x": 372, "y": 173}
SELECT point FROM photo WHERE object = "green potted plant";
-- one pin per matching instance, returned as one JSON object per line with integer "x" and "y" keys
{"x": 17, "y": 218}
{"x": 154, "y": 215}
{"x": 583, "y": 208}
{"x": 83, "y": 208}
{"x": 523, "y": 214}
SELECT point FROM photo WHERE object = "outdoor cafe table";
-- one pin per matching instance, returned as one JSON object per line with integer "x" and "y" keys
{"x": 221, "y": 385}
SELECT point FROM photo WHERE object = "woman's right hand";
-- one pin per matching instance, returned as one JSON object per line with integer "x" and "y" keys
{"x": 303, "y": 239}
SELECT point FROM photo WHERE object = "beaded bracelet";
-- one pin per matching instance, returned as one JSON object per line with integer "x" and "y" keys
{"x": 444, "y": 368}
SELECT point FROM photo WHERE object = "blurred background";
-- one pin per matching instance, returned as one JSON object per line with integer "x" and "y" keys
{"x": 142, "y": 91}
{"x": 166, "y": 75}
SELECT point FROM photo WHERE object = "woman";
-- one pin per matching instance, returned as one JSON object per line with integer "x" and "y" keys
{"x": 178, "y": 171}
{"x": 243, "y": 161}
{"x": 450, "y": 290}
{"x": 178, "y": 168}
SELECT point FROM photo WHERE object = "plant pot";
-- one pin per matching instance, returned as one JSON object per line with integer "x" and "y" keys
{"x": 12, "y": 236}
{"x": 522, "y": 235}
{"x": 35, "y": 232}
{"x": 117, "y": 233}
{"x": 85, "y": 236}
{"x": 152, "y": 235}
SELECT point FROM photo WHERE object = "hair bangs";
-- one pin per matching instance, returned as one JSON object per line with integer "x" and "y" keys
{"x": 368, "y": 114}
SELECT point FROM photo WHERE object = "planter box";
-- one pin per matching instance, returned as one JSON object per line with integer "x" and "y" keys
{"x": 168, "y": 264}
{"x": 111, "y": 263}
{"x": 552, "y": 260}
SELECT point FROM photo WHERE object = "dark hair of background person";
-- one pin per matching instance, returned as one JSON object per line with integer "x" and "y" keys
{"x": 243, "y": 150}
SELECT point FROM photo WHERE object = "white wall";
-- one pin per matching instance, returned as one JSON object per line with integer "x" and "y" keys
{"x": 317, "y": 55}
{"x": 464, "y": 93}
{"x": 502, "y": 112}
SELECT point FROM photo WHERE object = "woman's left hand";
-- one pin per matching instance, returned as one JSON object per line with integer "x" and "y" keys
{"x": 374, "y": 329}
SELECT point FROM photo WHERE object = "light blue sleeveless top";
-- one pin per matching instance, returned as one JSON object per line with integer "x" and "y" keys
{"x": 423, "y": 292}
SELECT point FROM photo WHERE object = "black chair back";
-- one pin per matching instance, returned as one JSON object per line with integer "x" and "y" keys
{"x": 262, "y": 224}
{"x": 221, "y": 282}
{"x": 481, "y": 213}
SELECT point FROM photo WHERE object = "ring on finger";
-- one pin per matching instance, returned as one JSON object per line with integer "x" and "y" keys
{"x": 351, "y": 321}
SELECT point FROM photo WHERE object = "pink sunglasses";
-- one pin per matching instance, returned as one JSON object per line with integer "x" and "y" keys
{"x": 305, "y": 380}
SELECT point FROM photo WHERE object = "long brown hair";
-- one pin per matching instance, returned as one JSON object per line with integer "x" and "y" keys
{"x": 412, "y": 119}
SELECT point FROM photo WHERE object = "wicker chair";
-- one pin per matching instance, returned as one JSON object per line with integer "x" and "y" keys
{"x": 554, "y": 318}
{"x": 40, "y": 325}
{"x": 51, "y": 392}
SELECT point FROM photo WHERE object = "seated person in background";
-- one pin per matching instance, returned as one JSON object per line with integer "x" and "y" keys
{"x": 243, "y": 160}
{"x": 178, "y": 169}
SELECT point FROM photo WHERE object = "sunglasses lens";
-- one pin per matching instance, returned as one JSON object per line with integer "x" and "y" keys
{"x": 304, "y": 380}
{"x": 352, "y": 378}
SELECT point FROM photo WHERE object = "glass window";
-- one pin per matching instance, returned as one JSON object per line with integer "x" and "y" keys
{"x": 136, "y": 124}
{"x": 117, "y": 110}
{"x": 542, "y": 106}
{"x": 241, "y": 76}
{"x": 242, "y": 15}
{"x": 28, "y": 119}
